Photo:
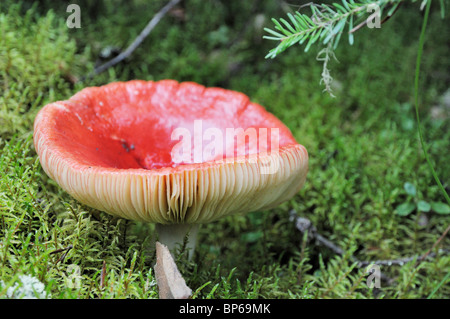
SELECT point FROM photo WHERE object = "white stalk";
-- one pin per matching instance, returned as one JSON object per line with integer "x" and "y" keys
{"x": 173, "y": 236}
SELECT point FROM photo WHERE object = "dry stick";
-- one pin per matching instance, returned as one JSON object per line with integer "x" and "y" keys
{"x": 102, "y": 279}
{"x": 428, "y": 253}
{"x": 144, "y": 33}
{"x": 61, "y": 249}
{"x": 102, "y": 275}
{"x": 63, "y": 256}
{"x": 359, "y": 26}
{"x": 304, "y": 224}
{"x": 400, "y": 261}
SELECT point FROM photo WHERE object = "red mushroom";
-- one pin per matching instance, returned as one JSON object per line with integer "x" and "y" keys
{"x": 131, "y": 149}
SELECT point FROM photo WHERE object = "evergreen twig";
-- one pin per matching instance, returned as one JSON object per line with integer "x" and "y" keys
{"x": 327, "y": 23}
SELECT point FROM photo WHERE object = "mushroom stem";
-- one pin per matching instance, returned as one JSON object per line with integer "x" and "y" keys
{"x": 174, "y": 235}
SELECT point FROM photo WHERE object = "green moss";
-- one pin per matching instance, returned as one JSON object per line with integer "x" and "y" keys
{"x": 363, "y": 147}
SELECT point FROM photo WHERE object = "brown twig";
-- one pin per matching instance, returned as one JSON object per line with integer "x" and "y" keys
{"x": 400, "y": 261}
{"x": 390, "y": 16}
{"x": 139, "y": 39}
{"x": 304, "y": 224}
{"x": 63, "y": 256}
{"x": 359, "y": 26}
{"x": 386, "y": 18}
{"x": 102, "y": 275}
{"x": 429, "y": 253}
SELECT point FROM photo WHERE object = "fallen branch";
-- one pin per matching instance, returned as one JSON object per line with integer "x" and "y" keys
{"x": 63, "y": 256}
{"x": 400, "y": 261}
{"x": 102, "y": 275}
{"x": 429, "y": 253}
{"x": 139, "y": 39}
{"x": 305, "y": 225}
{"x": 386, "y": 18}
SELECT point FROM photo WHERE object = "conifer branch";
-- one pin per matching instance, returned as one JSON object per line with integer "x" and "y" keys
{"x": 326, "y": 24}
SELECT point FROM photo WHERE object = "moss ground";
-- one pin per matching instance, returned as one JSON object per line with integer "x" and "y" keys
{"x": 363, "y": 148}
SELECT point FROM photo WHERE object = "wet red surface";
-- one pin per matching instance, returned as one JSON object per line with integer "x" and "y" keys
{"x": 137, "y": 124}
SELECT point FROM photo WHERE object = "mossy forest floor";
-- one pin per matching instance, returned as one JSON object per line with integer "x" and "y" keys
{"x": 363, "y": 147}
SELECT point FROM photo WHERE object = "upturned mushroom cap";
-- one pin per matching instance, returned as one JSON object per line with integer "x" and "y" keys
{"x": 111, "y": 147}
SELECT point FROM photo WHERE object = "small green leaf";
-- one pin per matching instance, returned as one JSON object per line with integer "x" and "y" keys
{"x": 339, "y": 26}
{"x": 300, "y": 18}
{"x": 337, "y": 30}
{"x": 328, "y": 8}
{"x": 313, "y": 39}
{"x": 274, "y": 33}
{"x": 440, "y": 208}
{"x": 394, "y": 7}
{"x": 410, "y": 189}
{"x": 423, "y": 206}
{"x": 270, "y": 38}
{"x": 252, "y": 237}
{"x": 442, "y": 9}
{"x": 350, "y": 38}
{"x": 405, "y": 209}
{"x": 294, "y": 40}
{"x": 308, "y": 19}
{"x": 294, "y": 21}
{"x": 340, "y": 8}
{"x": 287, "y": 24}
{"x": 315, "y": 11}
{"x": 308, "y": 45}
{"x": 336, "y": 40}
{"x": 345, "y": 4}
{"x": 280, "y": 28}
{"x": 303, "y": 39}
{"x": 350, "y": 27}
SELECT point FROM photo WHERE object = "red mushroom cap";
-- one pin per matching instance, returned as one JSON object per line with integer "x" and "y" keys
{"x": 111, "y": 147}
